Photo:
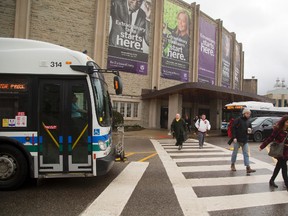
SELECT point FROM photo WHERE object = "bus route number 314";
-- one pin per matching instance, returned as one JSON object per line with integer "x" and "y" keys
{"x": 55, "y": 64}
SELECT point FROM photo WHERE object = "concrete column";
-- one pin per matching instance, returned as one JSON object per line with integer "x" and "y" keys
{"x": 175, "y": 106}
{"x": 22, "y": 18}
{"x": 154, "y": 114}
{"x": 100, "y": 32}
{"x": 157, "y": 53}
{"x": 215, "y": 113}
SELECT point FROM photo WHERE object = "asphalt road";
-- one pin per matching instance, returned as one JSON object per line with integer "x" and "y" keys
{"x": 161, "y": 189}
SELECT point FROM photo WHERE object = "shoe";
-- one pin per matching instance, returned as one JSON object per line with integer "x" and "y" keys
{"x": 179, "y": 147}
{"x": 249, "y": 170}
{"x": 233, "y": 167}
{"x": 272, "y": 184}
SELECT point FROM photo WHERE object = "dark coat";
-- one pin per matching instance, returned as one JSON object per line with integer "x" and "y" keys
{"x": 120, "y": 16}
{"x": 179, "y": 128}
{"x": 240, "y": 128}
{"x": 278, "y": 136}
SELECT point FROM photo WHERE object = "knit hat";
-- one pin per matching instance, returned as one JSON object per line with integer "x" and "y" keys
{"x": 246, "y": 110}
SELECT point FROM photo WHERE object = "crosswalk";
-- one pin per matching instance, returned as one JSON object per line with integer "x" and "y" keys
{"x": 204, "y": 184}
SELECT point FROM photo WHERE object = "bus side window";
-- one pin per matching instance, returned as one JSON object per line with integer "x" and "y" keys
{"x": 14, "y": 106}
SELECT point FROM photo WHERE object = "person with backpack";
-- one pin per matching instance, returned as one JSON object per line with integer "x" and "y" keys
{"x": 229, "y": 130}
{"x": 241, "y": 128}
{"x": 202, "y": 125}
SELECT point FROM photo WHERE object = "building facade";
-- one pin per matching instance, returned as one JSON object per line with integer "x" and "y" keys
{"x": 173, "y": 57}
{"x": 279, "y": 94}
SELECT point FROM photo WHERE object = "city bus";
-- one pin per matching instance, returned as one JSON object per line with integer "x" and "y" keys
{"x": 55, "y": 113}
{"x": 258, "y": 109}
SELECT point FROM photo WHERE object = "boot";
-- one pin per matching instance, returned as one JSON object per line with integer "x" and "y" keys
{"x": 233, "y": 167}
{"x": 249, "y": 170}
{"x": 272, "y": 183}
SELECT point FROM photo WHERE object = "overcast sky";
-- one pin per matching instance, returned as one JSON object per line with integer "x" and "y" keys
{"x": 262, "y": 27}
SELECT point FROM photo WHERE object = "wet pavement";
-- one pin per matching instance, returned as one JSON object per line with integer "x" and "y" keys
{"x": 192, "y": 181}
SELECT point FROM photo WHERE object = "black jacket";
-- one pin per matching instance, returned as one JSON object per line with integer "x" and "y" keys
{"x": 179, "y": 128}
{"x": 239, "y": 129}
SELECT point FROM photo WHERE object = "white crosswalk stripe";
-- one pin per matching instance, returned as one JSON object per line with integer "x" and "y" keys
{"x": 179, "y": 164}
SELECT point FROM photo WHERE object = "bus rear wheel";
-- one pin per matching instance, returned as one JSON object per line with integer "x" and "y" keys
{"x": 13, "y": 168}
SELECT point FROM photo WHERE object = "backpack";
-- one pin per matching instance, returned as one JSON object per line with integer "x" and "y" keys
{"x": 229, "y": 130}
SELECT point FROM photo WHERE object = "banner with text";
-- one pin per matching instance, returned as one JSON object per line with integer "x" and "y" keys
{"x": 207, "y": 51}
{"x": 237, "y": 67}
{"x": 226, "y": 60}
{"x": 129, "y": 36}
{"x": 175, "y": 42}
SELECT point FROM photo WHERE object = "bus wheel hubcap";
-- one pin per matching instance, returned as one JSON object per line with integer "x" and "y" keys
{"x": 7, "y": 167}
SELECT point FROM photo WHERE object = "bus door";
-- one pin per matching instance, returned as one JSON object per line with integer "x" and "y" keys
{"x": 64, "y": 125}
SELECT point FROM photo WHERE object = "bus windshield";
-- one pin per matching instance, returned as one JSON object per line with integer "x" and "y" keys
{"x": 228, "y": 114}
{"x": 102, "y": 99}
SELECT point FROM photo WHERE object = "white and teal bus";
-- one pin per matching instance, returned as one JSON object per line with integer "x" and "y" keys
{"x": 258, "y": 109}
{"x": 55, "y": 113}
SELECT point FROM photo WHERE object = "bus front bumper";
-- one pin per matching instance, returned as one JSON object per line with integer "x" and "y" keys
{"x": 103, "y": 165}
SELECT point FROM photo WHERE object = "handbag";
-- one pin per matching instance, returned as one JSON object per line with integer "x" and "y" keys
{"x": 276, "y": 149}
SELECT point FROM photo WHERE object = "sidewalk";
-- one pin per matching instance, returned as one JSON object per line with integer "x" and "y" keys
{"x": 162, "y": 134}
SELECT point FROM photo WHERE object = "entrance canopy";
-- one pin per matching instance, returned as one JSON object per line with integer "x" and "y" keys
{"x": 198, "y": 91}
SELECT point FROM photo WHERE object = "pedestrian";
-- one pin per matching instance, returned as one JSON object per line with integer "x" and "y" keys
{"x": 188, "y": 123}
{"x": 178, "y": 128}
{"x": 195, "y": 120}
{"x": 240, "y": 130}
{"x": 279, "y": 135}
{"x": 202, "y": 125}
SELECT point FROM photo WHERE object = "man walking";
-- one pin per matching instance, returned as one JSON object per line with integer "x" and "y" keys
{"x": 241, "y": 128}
{"x": 202, "y": 125}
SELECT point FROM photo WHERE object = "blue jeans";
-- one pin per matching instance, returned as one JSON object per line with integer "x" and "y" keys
{"x": 245, "y": 153}
{"x": 201, "y": 137}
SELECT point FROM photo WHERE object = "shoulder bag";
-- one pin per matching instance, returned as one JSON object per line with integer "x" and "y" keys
{"x": 276, "y": 149}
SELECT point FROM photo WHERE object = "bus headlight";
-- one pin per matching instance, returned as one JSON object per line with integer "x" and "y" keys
{"x": 102, "y": 145}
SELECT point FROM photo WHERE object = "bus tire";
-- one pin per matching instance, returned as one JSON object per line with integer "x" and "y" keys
{"x": 258, "y": 136}
{"x": 13, "y": 167}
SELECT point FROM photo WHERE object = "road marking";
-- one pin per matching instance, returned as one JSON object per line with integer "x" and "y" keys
{"x": 235, "y": 180}
{"x": 129, "y": 154}
{"x": 200, "y": 154}
{"x": 177, "y": 160}
{"x": 113, "y": 199}
{"x": 216, "y": 203}
{"x": 186, "y": 196}
{"x": 245, "y": 200}
{"x": 148, "y": 157}
{"x": 211, "y": 168}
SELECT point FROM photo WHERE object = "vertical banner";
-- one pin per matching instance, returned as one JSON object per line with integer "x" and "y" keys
{"x": 237, "y": 67}
{"x": 175, "y": 42}
{"x": 207, "y": 51}
{"x": 129, "y": 35}
{"x": 226, "y": 60}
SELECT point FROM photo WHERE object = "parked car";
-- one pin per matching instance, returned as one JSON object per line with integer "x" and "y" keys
{"x": 262, "y": 127}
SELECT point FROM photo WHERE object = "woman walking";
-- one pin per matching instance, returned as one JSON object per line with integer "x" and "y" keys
{"x": 178, "y": 127}
{"x": 278, "y": 135}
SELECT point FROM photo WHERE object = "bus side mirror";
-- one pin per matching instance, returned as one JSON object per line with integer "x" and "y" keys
{"x": 118, "y": 85}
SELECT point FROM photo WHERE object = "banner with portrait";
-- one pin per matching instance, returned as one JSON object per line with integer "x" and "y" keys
{"x": 237, "y": 67}
{"x": 129, "y": 35}
{"x": 207, "y": 51}
{"x": 226, "y": 60}
{"x": 175, "y": 42}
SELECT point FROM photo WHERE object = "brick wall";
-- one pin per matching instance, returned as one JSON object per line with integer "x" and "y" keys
{"x": 70, "y": 23}
{"x": 7, "y": 17}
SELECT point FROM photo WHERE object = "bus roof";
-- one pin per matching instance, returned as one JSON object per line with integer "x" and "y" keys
{"x": 255, "y": 105}
{"x": 23, "y": 56}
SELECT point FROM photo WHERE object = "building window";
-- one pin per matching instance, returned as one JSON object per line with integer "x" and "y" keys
{"x": 279, "y": 103}
{"x": 127, "y": 109}
{"x": 285, "y": 103}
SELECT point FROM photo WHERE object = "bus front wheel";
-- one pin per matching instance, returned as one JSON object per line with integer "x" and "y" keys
{"x": 13, "y": 167}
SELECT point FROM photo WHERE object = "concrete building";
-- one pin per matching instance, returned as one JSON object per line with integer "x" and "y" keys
{"x": 279, "y": 94}
{"x": 173, "y": 57}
